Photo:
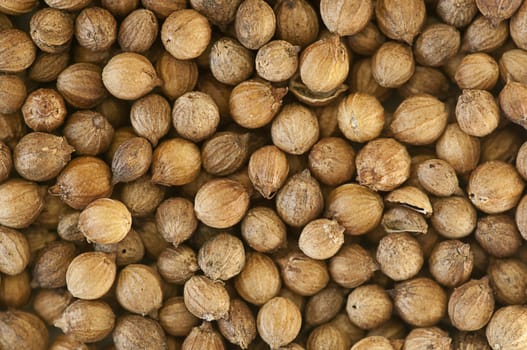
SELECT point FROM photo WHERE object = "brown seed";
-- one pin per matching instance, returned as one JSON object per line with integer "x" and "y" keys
{"x": 482, "y": 35}
{"x": 133, "y": 332}
{"x": 185, "y": 34}
{"x": 259, "y": 281}
{"x": 352, "y": 266}
{"x": 203, "y": 337}
{"x": 178, "y": 76}
{"x": 51, "y": 30}
{"x": 393, "y": 64}
{"x": 91, "y": 275}
{"x": 437, "y": 177}
{"x": 360, "y": 117}
{"x": 254, "y": 23}
{"x": 477, "y": 71}
{"x": 295, "y": 129}
{"x": 105, "y": 221}
{"x": 458, "y": 13}
{"x": 508, "y": 278}
{"x": 491, "y": 195}
{"x": 21, "y": 202}
{"x": 138, "y": 31}
{"x": 90, "y": 133}
{"x": 411, "y": 198}
{"x": 303, "y": 275}
{"x": 175, "y": 162}
{"x": 453, "y": 209}
{"x": 373, "y": 343}
{"x": 451, "y": 262}
{"x": 15, "y": 251}
{"x": 22, "y": 330}
{"x": 321, "y": 239}
{"x": 68, "y": 5}
{"x": 52, "y": 263}
{"x": 139, "y": 289}
{"x": 230, "y": 62}
{"x": 120, "y": 8}
{"x": 355, "y": 207}
{"x": 506, "y": 329}
{"x": 83, "y": 180}
{"x": 177, "y": 265}
{"x": 142, "y": 196}
{"x": 41, "y": 156}
{"x": 512, "y": 66}
{"x": 81, "y": 85}
{"x": 277, "y": 60}
{"x": 296, "y": 22}
{"x": 460, "y": 150}
{"x": 254, "y": 103}
{"x": 278, "y": 322}
{"x": 95, "y": 29}
{"x": 221, "y": 203}
{"x": 498, "y": 12}
{"x": 195, "y": 116}
{"x": 517, "y": 27}
{"x": 129, "y": 76}
{"x": 163, "y": 8}
{"x": 206, "y": 299}
{"x": 128, "y": 251}
{"x": 175, "y": 318}
{"x": 324, "y": 65}
{"x": 498, "y": 235}
{"x": 12, "y": 93}
{"x": 6, "y": 162}
{"x": 477, "y": 112}
{"x": 131, "y": 160}
{"x": 327, "y": 336}
{"x": 18, "y": 51}
{"x": 14, "y": 7}
{"x": 176, "y": 220}
{"x": 400, "y": 219}
{"x": 225, "y": 152}
{"x": 511, "y": 102}
{"x": 400, "y": 21}
{"x": 436, "y": 45}
{"x": 367, "y": 40}
{"x": 420, "y": 302}
{"x": 300, "y": 200}
{"x": 263, "y": 230}
{"x": 419, "y": 120}
{"x": 154, "y": 243}
{"x": 362, "y": 80}
{"x": 49, "y": 304}
{"x": 471, "y": 305}
{"x": 239, "y": 327}
{"x": 426, "y": 80}
{"x": 470, "y": 341}
{"x": 222, "y": 257}
{"x": 383, "y": 164}
{"x": 431, "y": 337}
{"x": 346, "y": 17}
{"x": 150, "y": 117}
{"x": 268, "y": 170}
{"x": 400, "y": 256}
{"x": 324, "y": 306}
{"x": 87, "y": 321}
{"x": 219, "y": 12}
{"x": 332, "y": 161}
{"x": 12, "y": 128}
{"x": 44, "y": 110}
{"x": 369, "y": 306}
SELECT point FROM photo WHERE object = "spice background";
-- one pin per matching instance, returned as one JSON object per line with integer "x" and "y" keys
{"x": 263, "y": 174}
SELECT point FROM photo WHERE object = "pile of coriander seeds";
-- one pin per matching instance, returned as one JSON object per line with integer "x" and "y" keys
{"x": 263, "y": 174}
